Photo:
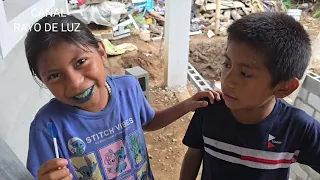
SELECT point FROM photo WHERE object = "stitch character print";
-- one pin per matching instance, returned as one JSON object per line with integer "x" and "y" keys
{"x": 137, "y": 149}
{"x": 115, "y": 161}
{"x": 87, "y": 171}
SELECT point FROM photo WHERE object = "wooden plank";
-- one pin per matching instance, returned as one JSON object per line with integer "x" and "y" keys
{"x": 11, "y": 168}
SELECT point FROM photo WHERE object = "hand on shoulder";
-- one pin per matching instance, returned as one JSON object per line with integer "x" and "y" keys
{"x": 198, "y": 100}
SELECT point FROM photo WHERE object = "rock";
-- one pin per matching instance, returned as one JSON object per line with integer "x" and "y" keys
{"x": 235, "y": 15}
{"x": 169, "y": 134}
{"x": 167, "y": 157}
{"x": 174, "y": 140}
{"x": 150, "y": 156}
{"x": 210, "y": 34}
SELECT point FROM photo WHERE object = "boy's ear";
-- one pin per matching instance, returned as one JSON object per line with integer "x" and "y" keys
{"x": 284, "y": 89}
{"x": 102, "y": 50}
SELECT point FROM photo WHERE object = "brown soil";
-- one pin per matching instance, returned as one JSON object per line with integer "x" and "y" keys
{"x": 165, "y": 146}
{"x": 207, "y": 55}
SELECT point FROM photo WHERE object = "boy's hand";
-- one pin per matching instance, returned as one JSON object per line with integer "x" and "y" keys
{"x": 55, "y": 169}
{"x": 196, "y": 101}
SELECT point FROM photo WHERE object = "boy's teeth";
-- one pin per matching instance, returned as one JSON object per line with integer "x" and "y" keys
{"x": 84, "y": 94}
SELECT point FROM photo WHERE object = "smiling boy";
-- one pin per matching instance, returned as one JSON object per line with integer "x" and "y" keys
{"x": 252, "y": 134}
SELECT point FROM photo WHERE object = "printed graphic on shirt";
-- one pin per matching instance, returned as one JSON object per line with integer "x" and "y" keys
{"x": 142, "y": 174}
{"x": 137, "y": 148}
{"x": 272, "y": 141}
{"x": 110, "y": 132}
{"x": 115, "y": 159}
{"x": 86, "y": 167}
{"x": 76, "y": 146}
{"x": 130, "y": 178}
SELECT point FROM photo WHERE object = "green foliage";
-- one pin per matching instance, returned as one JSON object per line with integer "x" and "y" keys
{"x": 287, "y": 4}
{"x": 316, "y": 14}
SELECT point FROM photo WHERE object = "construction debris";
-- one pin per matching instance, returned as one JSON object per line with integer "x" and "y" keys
{"x": 204, "y": 13}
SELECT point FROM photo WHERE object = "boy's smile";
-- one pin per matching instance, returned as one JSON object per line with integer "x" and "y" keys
{"x": 84, "y": 96}
{"x": 75, "y": 75}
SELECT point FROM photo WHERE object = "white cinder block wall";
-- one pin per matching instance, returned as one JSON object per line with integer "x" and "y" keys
{"x": 308, "y": 99}
{"x": 20, "y": 98}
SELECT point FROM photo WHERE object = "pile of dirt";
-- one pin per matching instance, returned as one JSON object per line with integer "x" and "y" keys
{"x": 147, "y": 57}
{"x": 207, "y": 55}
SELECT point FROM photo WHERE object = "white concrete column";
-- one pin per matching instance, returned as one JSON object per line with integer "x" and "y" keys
{"x": 177, "y": 29}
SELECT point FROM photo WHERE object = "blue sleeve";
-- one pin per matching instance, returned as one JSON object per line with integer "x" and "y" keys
{"x": 310, "y": 143}
{"x": 146, "y": 111}
{"x": 40, "y": 150}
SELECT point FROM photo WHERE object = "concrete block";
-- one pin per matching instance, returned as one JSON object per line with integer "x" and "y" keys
{"x": 142, "y": 76}
{"x": 313, "y": 175}
{"x": 317, "y": 116}
{"x": 303, "y": 94}
{"x": 312, "y": 83}
{"x": 298, "y": 171}
{"x": 107, "y": 34}
{"x": 305, "y": 107}
{"x": 292, "y": 176}
{"x": 314, "y": 101}
{"x": 197, "y": 80}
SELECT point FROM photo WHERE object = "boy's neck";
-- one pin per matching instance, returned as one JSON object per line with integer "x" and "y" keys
{"x": 254, "y": 115}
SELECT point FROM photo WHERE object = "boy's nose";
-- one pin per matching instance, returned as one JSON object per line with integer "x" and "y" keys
{"x": 75, "y": 80}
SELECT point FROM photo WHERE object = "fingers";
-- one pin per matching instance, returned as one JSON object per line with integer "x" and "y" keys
{"x": 68, "y": 177}
{"x": 51, "y": 165}
{"x": 61, "y": 174}
{"x": 211, "y": 94}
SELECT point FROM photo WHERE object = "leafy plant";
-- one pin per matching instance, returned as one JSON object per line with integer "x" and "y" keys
{"x": 287, "y": 4}
{"x": 316, "y": 14}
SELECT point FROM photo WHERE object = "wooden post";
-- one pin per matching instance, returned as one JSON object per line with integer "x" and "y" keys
{"x": 218, "y": 12}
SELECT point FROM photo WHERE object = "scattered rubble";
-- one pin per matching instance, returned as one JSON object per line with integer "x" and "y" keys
{"x": 204, "y": 13}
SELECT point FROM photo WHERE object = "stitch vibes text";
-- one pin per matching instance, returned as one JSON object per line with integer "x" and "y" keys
{"x": 108, "y": 132}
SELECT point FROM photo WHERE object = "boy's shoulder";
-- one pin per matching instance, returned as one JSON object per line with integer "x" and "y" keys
{"x": 45, "y": 113}
{"x": 295, "y": 116}
{"x": 123, "y": 79}
{"x": 286, "y": 113}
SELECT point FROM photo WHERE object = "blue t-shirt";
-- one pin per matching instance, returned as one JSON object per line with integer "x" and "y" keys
{"x": 262, "y": 151}
{"x": 106, "y": 145}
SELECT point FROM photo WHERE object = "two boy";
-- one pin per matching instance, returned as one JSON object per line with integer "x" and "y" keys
{"x": 251, "y": 134}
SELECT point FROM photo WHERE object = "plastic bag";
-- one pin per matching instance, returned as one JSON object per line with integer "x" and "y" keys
{"x": 106, "y": 13}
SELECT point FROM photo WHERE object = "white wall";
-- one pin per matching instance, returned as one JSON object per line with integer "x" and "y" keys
{"x": 12, "y": 31}
{"x": 20, "y": 98}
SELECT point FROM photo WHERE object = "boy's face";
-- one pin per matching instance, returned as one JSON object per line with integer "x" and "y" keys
{"x": 246, "y": 82}
{"x": 74, "y": 76}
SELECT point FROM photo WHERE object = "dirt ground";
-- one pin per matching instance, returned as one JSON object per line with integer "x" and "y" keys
{"x": 206, "y": 55}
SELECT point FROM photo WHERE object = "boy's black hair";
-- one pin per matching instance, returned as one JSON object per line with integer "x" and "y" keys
{"x": 41, "y": 38}
{"x": 281, "y": 40}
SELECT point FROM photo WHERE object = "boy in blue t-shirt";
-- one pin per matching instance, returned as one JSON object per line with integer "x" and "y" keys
{"x": 99, "y": 120}
{"x": 252, "y": 134}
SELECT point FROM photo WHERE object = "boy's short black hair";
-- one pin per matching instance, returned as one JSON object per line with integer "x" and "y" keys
{"x": 279, "y": 38}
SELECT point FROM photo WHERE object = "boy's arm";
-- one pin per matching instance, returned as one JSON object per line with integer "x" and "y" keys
{"x": 167, "y": 116}
{"x": 194, "y": 140}
{"x": 191, "y": 164}
{"x": 310, "y": 143}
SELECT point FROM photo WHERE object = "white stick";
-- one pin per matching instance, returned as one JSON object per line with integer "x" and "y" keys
{"x": 56, "y": 147}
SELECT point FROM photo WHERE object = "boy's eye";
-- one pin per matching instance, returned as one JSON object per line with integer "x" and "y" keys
{"x": 245, "y": 74}
{"x": 80, "y": 62}
{"x": 52, "y": 76}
